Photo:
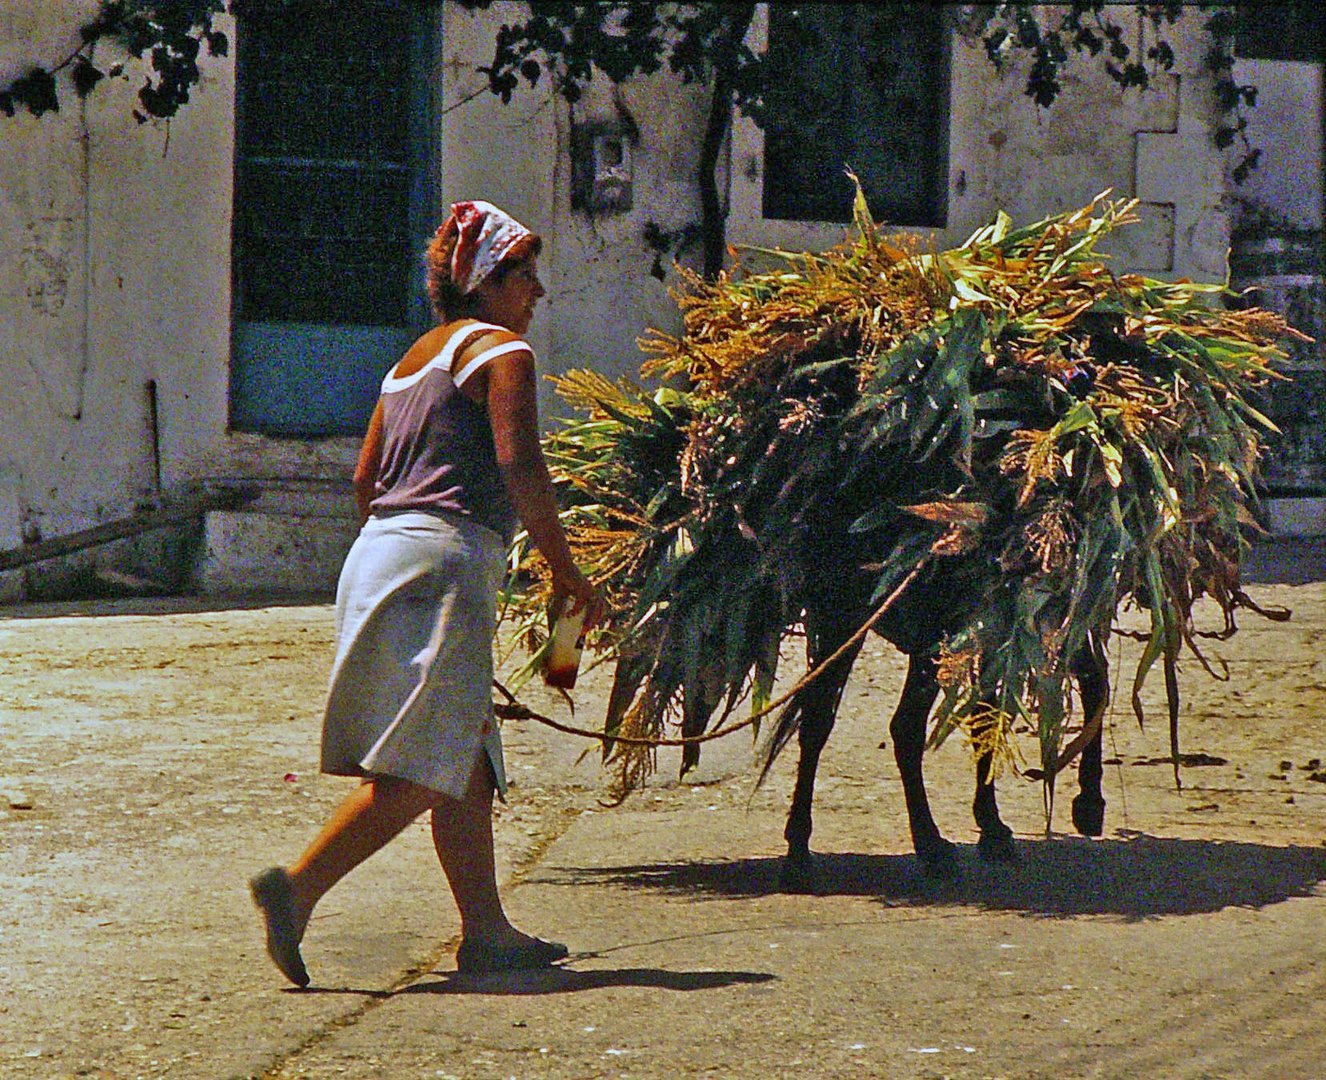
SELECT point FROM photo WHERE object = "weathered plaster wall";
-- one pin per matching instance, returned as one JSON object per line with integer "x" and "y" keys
{"x": 504, "y": 154}
{"x": 606, "y": 296}
{"x": 74, "y": 438}
{"x": 115, "y": 239}
{"x": 601, "y": 296}
{"x": 160, "y": 252}
{"x": 115, "y": 271}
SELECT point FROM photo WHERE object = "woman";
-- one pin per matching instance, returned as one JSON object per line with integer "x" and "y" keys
{"x": 451, "y": 460}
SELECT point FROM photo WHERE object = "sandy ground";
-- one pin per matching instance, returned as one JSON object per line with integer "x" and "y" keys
{"x": 158, "y": 752}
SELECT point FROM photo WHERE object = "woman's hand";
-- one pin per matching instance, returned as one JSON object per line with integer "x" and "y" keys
{"x": 569, "y": 583}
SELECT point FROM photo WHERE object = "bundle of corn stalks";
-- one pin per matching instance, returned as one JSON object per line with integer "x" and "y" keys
{"x": 1060, "y": 439}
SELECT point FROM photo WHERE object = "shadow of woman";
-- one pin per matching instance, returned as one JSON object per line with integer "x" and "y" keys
{"x": 565, "y": 980}
{"x": 1133, "y": 877}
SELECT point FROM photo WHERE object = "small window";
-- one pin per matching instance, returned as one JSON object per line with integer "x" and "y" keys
{"x": 322, "y": 202}
{"x": 859, "y": 86}
{"x": 1289, "y": 30}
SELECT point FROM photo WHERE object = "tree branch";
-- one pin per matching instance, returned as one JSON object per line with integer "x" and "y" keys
{"x": 725, "y": 60}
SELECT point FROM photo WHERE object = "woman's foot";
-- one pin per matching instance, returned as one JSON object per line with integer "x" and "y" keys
{"x": 273, "y": 895}
{"x": 512, "y": 951}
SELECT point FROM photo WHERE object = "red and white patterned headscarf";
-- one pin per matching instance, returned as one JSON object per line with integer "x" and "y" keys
{"x": 485, "y": 236}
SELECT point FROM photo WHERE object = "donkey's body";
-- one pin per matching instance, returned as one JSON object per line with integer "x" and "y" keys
{"x": 916, "y": 623}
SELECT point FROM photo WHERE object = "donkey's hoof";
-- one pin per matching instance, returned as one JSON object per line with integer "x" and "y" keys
{"x": 938, "y": 859}
{"x": 997, "y": 846}
{"x": 1089, "y": 815}
{"x": 798, "y": 874}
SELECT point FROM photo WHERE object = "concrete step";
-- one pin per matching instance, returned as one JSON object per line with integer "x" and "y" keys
{"x": 290, "y": 541}
{"x": 1301, "y": 516}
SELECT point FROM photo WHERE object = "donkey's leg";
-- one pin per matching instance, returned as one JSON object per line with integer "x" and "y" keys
{"x": 907, "y": 728}
{"x": 996, "y": 843}
{"x": 1093, "y": 680}
{"x": 818, "y": 706}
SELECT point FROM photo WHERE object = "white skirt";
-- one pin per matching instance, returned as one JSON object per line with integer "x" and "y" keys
{"x": 411, "y": 687}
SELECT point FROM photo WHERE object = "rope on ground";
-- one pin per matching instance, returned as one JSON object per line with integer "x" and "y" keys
{"x": 514, "y": 710}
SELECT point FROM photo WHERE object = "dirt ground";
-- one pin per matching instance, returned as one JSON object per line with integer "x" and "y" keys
{"x": 158, "y": 752}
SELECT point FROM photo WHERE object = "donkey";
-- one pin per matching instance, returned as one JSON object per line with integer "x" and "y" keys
{"x": 835, "y": 606}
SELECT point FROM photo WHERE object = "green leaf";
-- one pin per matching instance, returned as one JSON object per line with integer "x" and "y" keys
{"x": 875, "y": 518}
{"x": 861, "y": 216}
{"x": 1080, "y": 416}
{"x": 901, "y": 561}
{"x": 966, "y": 291}
{"x": 1155, "y": 644}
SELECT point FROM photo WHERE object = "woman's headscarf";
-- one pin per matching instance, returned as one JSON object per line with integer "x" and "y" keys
{"x": 485, "y": 235}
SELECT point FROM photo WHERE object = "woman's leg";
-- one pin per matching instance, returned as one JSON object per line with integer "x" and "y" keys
{"x": 367, "y": 819}
{"x": 463, "y": 837}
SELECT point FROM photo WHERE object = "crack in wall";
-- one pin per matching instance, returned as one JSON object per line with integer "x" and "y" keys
{"x": 55, "y": 255}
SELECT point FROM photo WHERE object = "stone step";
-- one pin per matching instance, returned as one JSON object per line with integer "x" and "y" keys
{"x": 255, "y": 552}
{"x": 304, "y": 498}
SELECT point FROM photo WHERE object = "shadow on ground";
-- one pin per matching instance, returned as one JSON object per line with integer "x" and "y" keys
{"x": 93, "y": 607}
{"x": 559, "y": 980}
{"x": 1133, "y": 877}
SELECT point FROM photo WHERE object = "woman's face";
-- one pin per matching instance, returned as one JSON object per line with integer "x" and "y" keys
{"x": 511, "y": 301}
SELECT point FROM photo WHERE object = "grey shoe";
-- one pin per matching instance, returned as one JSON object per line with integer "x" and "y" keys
{"x": 475, "y": 959}
{"x": 272, "y": 894}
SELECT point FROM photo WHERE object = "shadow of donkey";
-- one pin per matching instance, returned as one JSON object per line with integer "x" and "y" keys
{"x": 1132, "y": 877}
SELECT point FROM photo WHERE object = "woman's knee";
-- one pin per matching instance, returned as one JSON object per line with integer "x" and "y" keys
{"x": 403, "y": 796}
{"x": 476, "y": 799}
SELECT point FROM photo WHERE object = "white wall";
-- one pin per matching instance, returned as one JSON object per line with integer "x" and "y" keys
{"x": 75, "y": 439}
{"x": 600, "y": 294}
{"x": 504, "y": 154}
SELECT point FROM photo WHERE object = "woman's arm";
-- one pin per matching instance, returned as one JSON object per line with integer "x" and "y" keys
{"x": 513, "y": 413}
{"x": 366, "y": 469}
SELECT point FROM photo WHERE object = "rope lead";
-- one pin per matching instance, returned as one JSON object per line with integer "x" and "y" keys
{"x": 514, "y": 710}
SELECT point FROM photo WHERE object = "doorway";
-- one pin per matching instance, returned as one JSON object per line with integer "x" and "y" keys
{"x": 336, "y": 171}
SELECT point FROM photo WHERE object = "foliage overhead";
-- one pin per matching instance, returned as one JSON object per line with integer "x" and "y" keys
{"x": 169, "y": 36}
{"x": 702, "y": 42}
{"x": 569, "y": 42}
{"x": 1051, "y": 439}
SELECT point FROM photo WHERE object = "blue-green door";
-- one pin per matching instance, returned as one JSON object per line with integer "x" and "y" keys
{"x": 335, "y": 190}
